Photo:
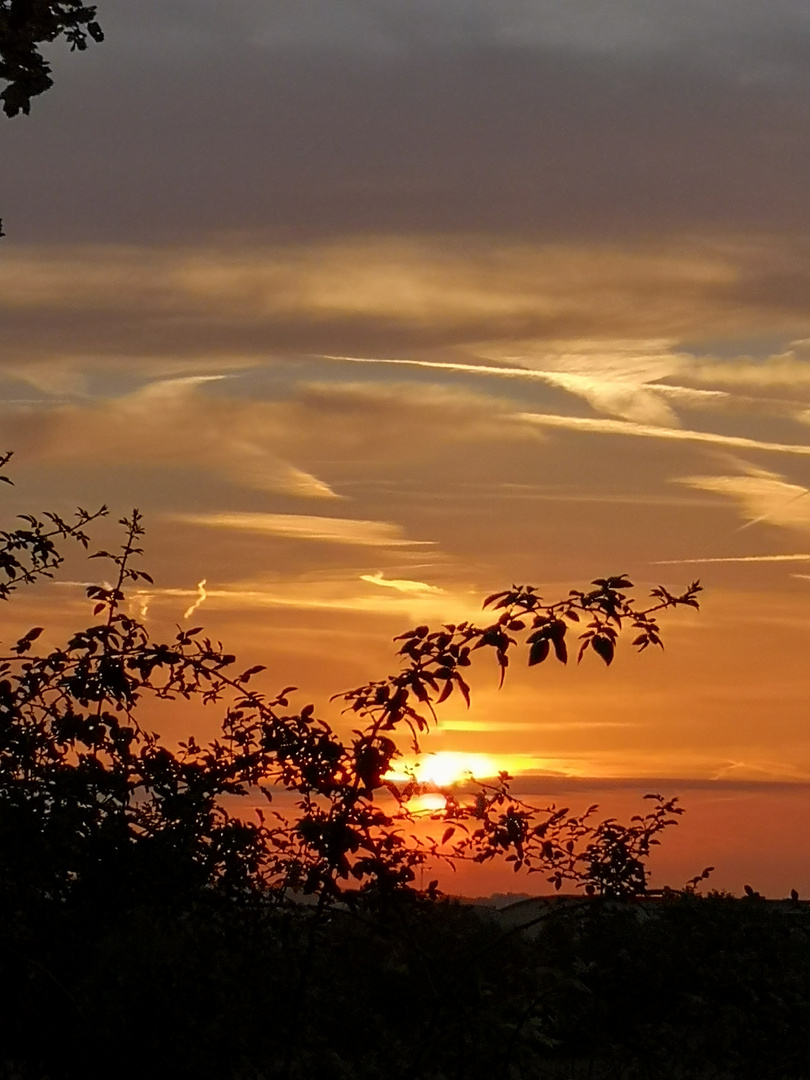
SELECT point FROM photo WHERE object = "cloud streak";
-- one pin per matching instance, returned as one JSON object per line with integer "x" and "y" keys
{"x": 628, "y": 397}
{"x": 400, "y": 584}
{"x": 306, "y": 527}
{"x": 202, "y": 595}
{"x": 734, "y": 559}
{"x": 762, "y": 497}
{"x": 469, "y": 287}
{"x": 169, "y": 420}
{"x": 597, "y": 426}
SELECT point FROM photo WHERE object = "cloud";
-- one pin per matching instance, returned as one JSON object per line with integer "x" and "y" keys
{"x": 698, "y": 776}
{"x": 252, "y": 465}
{"x": 626, "y": 393}
{"x": 390, "y": 421}
{"x": 762, "y": 770}
{"x": 400, "y": 584}
{"x": 425, "y": 281}
{"x": 198, "y": 602}
{"x": 532, "y": 724}
{"x": 788, "y": 370}
{"x": 624, "y": 26}
{"x": 499, "y": 117}
{"x": 735, "y": 559}
{"x": 647, "y": 431}
{"x": 601, "y": 319}
{"x": 760, "y": 498}
{"x": 323, "y": 593}
{"x": 367, "y": 27}
{"x": 467, "y": 286}
{"x": 306, "y": 527}
{"x": 171, "y": 422}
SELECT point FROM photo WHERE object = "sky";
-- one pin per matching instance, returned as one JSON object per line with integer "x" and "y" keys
{"x": 374, "y": 308}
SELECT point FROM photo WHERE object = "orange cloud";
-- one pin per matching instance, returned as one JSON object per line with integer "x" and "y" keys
{"x": 306, "y": 527}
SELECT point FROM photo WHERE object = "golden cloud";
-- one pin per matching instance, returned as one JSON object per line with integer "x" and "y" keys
{"x": 651, "y": 290}
{"x": 595, "y": 425}
{"x": 399, "y": 584}
{"x": 170, "y": 422}
{"x": 760, "y": 498}
{"x": 306, "y": 527}
{"x": 426, "y": 281}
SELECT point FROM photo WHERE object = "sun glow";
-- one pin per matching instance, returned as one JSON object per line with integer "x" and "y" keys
{"x": 445, "y": 768}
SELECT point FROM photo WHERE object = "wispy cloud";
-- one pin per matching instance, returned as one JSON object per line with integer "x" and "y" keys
{"x": 734, "y": 559}
{"x": 761, "y": 770}
{"x": 532, "y": 725}
{"x": 786, "y": 370}
{"x": 306, "y": 527}
{"x": 171, "y": 420}
{"x": 399, "y": 584}
{"x": 201, "y": 597}
{"x": 762, "y": 498}
{"x": 649, "y": 431}
{"x": 623, "y": 394}
{"x": 339, "y": 595}
{"x": 469, "y": 286}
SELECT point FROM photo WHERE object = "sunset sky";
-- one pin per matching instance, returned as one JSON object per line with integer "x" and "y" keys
{"x": 376, "y": 307}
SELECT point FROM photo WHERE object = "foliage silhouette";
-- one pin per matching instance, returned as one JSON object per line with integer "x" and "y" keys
{"x": 88, "y": 793}
{"x": 26, "y": 25}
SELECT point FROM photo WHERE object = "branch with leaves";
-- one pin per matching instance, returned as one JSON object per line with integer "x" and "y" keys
{"x": 32, "y": 551}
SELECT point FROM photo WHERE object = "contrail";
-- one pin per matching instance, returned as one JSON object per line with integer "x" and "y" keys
{"x": 735, "y": 559}
{"x": 630, "y": 427}
{"x": 781, "y": 506}
{"x": 476, "y": 369}
{"x": 572, "y": 381}
{"x": 201, "y": 596}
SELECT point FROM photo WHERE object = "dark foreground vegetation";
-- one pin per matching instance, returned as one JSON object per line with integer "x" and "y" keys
{"x": 685, "y": 987}
{"x": 146, "y": 929}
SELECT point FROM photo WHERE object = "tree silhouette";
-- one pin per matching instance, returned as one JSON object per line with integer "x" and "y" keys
{"x": 26, "y": 25}
{"x": 91, "y": 800}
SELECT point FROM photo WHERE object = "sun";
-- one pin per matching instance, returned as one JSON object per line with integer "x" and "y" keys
{"x": 445, "y": 768}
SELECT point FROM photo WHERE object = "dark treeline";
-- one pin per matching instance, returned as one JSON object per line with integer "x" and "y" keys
{"x": 690, "y": 987}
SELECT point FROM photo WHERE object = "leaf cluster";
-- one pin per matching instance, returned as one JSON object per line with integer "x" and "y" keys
{"x": 27, "y": 25}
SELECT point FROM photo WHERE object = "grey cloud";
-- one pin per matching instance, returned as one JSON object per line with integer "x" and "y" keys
{"x": 372, "y": 297}
{"x": 440, "y": 137}
{"x": 369, "y": 26}
{"x": 553, "y": 784}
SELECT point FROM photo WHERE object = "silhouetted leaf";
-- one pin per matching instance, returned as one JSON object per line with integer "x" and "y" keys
{"x": 603, "y": 647}
{"x": 539, "y": 651}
